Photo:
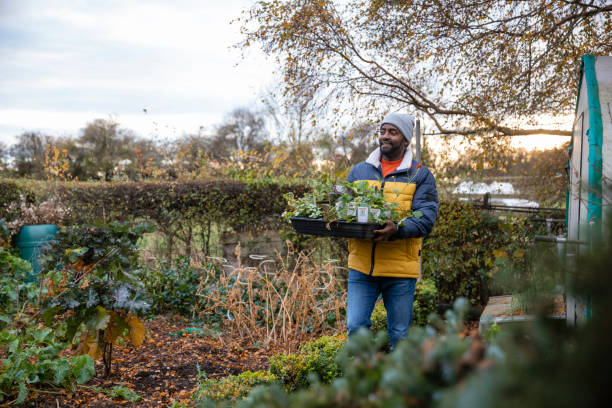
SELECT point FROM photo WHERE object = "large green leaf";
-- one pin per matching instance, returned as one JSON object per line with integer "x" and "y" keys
{"x": 83, "y": 368}
{"x": 23, "y": 393}
{"x": 41, "y": 335}
{"x": 102, "y": 318}
{"x": 61, "y": 370}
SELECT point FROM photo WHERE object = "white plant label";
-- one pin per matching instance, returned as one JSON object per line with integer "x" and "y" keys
{"x": 352, "y": 210}
{"x": 362, "y": 214}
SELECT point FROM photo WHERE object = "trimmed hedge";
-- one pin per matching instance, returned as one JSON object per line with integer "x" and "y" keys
{"x": 459, "y": 255}
{"x": 9, "y": 194}
{"x": 244, "y": 206}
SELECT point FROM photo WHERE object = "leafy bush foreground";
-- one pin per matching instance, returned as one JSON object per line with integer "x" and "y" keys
{"x": 31, "y": 353}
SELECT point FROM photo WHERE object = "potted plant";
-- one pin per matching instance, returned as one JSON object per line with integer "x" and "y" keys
{"x": 351, "y": 210}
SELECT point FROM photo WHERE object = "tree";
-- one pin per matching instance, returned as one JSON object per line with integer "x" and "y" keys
{"x": 348, "y": 147}
{"x": 471, "y": 67}
{"x": 103, "y": 149}
{"x": 191, "y": 153}
{"x": 4, "y": 152}
{"x": 29, "y": 154}
{"x": 243, "y": 129}
{"x": 293, "y": 120}
{"x": 100, "y": 145}
{"x": 293, "y": 117}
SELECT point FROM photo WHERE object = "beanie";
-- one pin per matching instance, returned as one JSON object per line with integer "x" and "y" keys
{"x": 403, "y": 121}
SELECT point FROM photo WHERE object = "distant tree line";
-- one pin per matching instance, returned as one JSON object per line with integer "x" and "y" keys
{"x": 103, "y": 150}
{"x": 276, "y": 141}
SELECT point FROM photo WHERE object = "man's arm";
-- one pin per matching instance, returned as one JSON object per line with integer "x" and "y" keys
{"x": 425, "y": 200}
{"x": 352, "y": 175}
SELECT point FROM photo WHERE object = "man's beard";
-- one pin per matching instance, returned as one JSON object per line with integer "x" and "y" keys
{"x": 388, "y": 149}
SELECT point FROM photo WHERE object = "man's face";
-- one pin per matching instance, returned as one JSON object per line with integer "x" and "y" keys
{"x": 392, "y": 142}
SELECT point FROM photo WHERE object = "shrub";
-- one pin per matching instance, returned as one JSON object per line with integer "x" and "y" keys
{"x": 173, "y": 288}
{"x": 317, "y": 357}
{"x": 233, "y": 387}
{"x": 33, "y": 357}
{"x": 379, "y": 318}
{"x": 425, "y": 302}
{"x": 10, "y": 194}
{"x": 239, "y": 204}
{"x": 460, "y": 253}
{"x": 49, "y": 211}
{"x": 92, "y": 273}
{"x": 15, "y": 293}
{"x": 414, "y": 374}
{"x": 31, "y": 352}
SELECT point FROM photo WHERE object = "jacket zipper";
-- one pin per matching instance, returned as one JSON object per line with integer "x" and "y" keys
{"x": 382, "y": 186}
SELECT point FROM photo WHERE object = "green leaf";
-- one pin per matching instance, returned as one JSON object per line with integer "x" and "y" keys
{"x": 50, "y": 313}
{"x": 61, "y": 369}
{"x": 41, "y": 335}
{"x": 417, "y": 214}
{"x": 83, "y": 368}
{"x": 73, "y": 254}
{"x": 13, "y": 345}
{"x": 102, "y": 318}
{"x": 23, "y": 393}
{"x": 122, "y": 392}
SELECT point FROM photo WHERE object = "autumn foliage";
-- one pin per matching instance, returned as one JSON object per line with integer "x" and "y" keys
{"x": 470, "y": 67}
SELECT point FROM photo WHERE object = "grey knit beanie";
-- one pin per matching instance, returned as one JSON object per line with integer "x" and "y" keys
{"x": 403, "y": 121}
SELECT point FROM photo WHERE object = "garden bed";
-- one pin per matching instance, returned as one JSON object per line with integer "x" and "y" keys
{"x": 505, "y": 310}
{"x": 162, "y": 370}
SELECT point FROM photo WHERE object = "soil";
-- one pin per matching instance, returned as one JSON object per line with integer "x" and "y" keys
{"x": 163, "y": 370}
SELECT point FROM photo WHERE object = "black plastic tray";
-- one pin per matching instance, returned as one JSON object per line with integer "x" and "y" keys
{"x": 317, "y": 226}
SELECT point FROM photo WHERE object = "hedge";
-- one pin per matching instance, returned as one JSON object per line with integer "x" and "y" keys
{"x": 459, "y": 255}
{"x": 10, "y": 192}
{"x": 242, "y": 205}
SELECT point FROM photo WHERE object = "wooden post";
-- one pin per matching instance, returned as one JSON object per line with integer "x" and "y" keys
{"x": 417, "y": 148}
{"x": 417, "y": 137}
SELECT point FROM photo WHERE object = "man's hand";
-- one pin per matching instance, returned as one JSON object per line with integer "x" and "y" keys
{"x": 385, "y": 233}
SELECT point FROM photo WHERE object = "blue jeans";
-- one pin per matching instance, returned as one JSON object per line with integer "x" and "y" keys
{"x": 397, "y": 294}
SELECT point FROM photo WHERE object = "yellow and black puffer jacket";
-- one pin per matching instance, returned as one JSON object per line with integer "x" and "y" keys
{"x": 413, "y": 187}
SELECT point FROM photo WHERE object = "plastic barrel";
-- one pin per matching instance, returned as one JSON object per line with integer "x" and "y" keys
{"x": 30, "y": 240}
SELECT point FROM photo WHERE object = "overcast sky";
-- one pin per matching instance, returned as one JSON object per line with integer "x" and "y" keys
{"x": 65, "y": 63}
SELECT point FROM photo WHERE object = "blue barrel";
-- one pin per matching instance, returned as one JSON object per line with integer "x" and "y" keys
{"x": 30, "y": 240}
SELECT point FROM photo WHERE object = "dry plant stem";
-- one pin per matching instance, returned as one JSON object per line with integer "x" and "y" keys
{"x": 294, "y": 300}
{"x": 107, "y": 357}
{"x": 10, "y": 268}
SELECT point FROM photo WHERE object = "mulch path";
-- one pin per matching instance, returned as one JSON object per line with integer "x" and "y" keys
{"x": 162, "y": 370}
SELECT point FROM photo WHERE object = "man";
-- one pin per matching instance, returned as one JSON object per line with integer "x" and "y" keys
{"x": 389, "y": 264}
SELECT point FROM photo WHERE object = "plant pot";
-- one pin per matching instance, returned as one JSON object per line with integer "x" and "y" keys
{"x": 315, "y": 226}
{"x": 30, "y": 240}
